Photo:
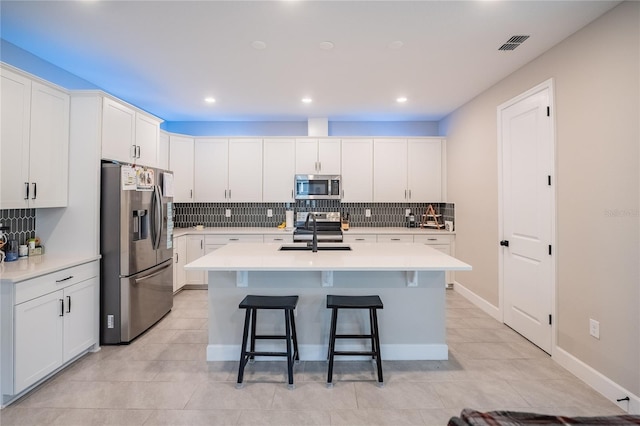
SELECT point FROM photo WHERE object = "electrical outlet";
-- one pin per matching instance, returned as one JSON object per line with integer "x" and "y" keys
{"x": 109, "y": 321}
{"x": 406, "y": 212}
{"x": 227, "y": 213}
{"x": 594, "y": 328}
{"x": 269, "y": 213}
{"x": 367, "y": 212}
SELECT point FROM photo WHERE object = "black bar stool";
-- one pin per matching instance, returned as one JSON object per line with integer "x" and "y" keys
{"x": 252, "y": 304}
{"x": 372, "y": 303}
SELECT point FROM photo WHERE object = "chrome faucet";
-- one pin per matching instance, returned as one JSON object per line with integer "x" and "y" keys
{"x": 314, "y": 241}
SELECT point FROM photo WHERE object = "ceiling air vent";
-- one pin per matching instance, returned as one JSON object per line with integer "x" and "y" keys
{"x": 513, "y": 42}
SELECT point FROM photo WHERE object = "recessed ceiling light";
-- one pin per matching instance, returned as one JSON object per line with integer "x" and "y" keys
{"x": 210, "y": 100}
{"x": 259, "y": 45}
{"x": 326, "y": 45}
{"x": 307, "y": 100}
{"x": 401, "y": 99}
{"x": 395, "y": 45}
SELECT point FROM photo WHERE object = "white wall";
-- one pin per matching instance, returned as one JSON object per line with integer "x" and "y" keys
{"x": 597, "y": 82}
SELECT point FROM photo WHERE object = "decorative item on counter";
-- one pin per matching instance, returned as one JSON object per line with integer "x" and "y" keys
{"x": 35, "y": 248}
{"x": 288, "y": 219}
{"x": 11, "y": 252}
{"x": 448, "y": 225}
{"x": 199, "y": 227}
{"x": 23, "y": 250}
{"x": 411, "y": 220}
{"x": 430, "y": 219}
{"x": 346, "y": 218}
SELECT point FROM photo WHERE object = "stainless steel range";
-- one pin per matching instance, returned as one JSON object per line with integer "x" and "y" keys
{"x": 327, "y": 226}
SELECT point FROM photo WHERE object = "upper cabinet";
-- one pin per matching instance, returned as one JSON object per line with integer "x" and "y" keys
{"x": 357, "y": 170}
{"x": 163, "y": 151}
{"x": 278, "y": 169}
{"x": 318, "y": 156}
{"x": 181, "y": 155}
{"x": 407, "y": 170}
{"x": 228, "y": 170}
{"x": 129, "y": 135}
{"x": 34, "y": 149}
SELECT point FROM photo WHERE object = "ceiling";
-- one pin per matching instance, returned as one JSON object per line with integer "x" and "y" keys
{"x": 167, "y": 56}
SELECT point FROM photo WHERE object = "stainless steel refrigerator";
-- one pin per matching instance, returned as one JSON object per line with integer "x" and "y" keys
{"x": 136, "y": 286}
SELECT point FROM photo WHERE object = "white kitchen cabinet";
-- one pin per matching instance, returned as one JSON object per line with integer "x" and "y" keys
{"x": 55, "y": 319}
{"x": 180, "y": 259}
{"x": 163, "y": 151}
{"x": 279, "y": 162}
{"x": 181, "y": 150}
{"x": 118, "y": 131}
{"x": 195, "y": 249}
{"x": 128, "y": 135}
{"x": 359, "y": 238}
{"x": 357, "y": 170}
{"x": 245, "y": 170}
{"x": 424, "y": 170}
{"x": 147, "y": 140}
{"x": 228, "y": 170}
{"x": 407, "y": 170}
{"x": 395, "y": 238}
{"x": 318, "y": 156}
{"x": 35, "y": 144}
{"x": 390, "y": 170}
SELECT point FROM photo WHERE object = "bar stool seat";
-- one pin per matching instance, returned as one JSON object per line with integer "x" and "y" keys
{"x": 252, "y": 303}
{"x": 372, "y": 303}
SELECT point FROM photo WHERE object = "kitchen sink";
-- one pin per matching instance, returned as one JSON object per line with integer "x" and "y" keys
{"x": 320, "y": 248}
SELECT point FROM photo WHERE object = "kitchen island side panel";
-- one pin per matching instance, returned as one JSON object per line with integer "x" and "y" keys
{"x": 412, "y": 323}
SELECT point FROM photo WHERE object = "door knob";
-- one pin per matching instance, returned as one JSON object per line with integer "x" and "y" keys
{"x": 504, "y": 243}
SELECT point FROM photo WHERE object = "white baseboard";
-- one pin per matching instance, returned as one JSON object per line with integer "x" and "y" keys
{"x": 487, "y": 307}
{"x": 602, "y": 384}
{"x": 319, "y": 352}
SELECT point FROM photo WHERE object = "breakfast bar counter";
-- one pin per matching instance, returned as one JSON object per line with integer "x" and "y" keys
{"x": 408, "y": 277}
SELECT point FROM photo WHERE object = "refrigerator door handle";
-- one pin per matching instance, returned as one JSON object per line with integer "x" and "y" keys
{"x": 158, "y": 272}
{"x": 159, "y": 217}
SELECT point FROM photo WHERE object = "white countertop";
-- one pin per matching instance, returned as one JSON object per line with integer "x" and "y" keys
{"x": 360, "y": 230}
{"x": 362, "y": 257}
{"x": 26, "y": 268}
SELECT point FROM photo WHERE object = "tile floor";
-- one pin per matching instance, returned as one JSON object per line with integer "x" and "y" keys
{"x": 163, "y": 379}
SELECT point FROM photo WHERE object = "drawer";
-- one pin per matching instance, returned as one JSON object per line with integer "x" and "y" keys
{"x": 399, "y": 238}
{"x": 432, "y": 239}
{"x": 231, "y": 238}
{"x": 444, "y": 248}
{"x": 288, "y": 238}
{"x": 359, "y": 238}
{"x": 36, "y": 287}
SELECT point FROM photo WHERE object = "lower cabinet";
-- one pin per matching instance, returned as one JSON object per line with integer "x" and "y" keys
{"x": 179, "y": 260}
{"x": 195, "y": 249}
{"x": 55, "y": 319}
{"x": 443, "y": 243}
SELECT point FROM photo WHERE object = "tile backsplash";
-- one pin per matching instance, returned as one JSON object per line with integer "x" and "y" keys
{"x": 255, "y": 214}
{"x": 22, "y": 224}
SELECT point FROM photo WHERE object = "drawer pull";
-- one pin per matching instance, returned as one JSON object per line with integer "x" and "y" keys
{"x": 359, "y": 239}
{"x": 277, "y": 239}
{"x": 432, "y": 239}
{"x": 234, "y": 239}
{"x": 65, "y": 279}
{"x": 395, "y": 239}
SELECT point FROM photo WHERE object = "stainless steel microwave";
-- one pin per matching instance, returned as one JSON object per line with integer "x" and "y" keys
{"x": 317, "y": 187}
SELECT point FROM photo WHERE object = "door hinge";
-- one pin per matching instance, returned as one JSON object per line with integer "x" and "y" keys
{"x": 549, "y": 319}
{"x": 549, "y": 180}
{"x": 549, "y": 249}
{"x": 548, "y": 111}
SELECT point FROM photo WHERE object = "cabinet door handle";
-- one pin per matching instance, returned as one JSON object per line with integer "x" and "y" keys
{"x": 409, "y": 194}
{"x": 177, "y": 257}
{"x": 229, "y": 194}
{"x": 319, "y": 166}
{"x": 26, "y": 186}
{"x": 68, "y": 304}
{"x": 292, "y": 193}
{"x": 35, "y": 191}
{"x": 201, "y": 245}
{"x": 132, "y": 154}
{"x": 405, "y": 194}
{"x": 191, "y": 193}
{"x": 65, "y": 279}
{"x": 138, "y": 149}
{"x": 61, "y": 307}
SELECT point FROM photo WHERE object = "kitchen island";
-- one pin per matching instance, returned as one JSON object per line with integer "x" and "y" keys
{"x": 409, "y": 278}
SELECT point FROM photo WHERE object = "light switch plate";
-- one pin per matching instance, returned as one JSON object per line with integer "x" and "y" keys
{"x": 227, "y": 213}
{"x": 594, "y": 328}
{"x": 269, "y": 213}
{"x": 367, "y": 212}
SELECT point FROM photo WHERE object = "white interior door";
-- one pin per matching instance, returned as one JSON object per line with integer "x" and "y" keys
{"x": 527, "y": 216}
